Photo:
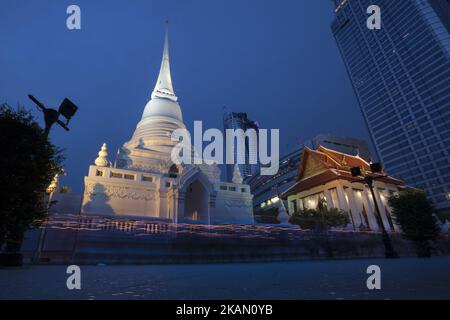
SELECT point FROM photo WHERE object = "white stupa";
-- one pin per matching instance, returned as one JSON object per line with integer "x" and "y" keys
{"x": 102, "y": 159}
{"x": 145, "y": 183}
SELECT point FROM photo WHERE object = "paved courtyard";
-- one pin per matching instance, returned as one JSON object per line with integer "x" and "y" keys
{"x": 338, "y": 279}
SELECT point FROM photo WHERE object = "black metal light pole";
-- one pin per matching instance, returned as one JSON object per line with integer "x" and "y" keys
{"x": 67, "y": 109}
{"x": 389, "y": 251}
{"x": 51, "y": 116}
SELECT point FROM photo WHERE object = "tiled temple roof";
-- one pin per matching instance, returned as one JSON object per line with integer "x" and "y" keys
{"x": 331, "y": 165}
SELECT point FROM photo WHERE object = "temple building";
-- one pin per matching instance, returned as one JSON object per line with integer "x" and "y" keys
{"x": 324, "y": 175}
{"x": 144, "y": 182}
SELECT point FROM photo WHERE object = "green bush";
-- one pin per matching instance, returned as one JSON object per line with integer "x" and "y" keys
{"x": 414, "y": 213}
{"x": 321, "y": 218}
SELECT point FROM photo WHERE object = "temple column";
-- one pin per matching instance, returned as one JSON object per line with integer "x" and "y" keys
{"x": 328, "y": 198}
{"x": 353, "y": 208}
{"x": 370, "y": 210}
{"x": 382, "y": 209}
{"x": 341, "y": 197}
{"x": 211, "y": 206}
{"x": 343, "y": 203}
{"x": 179, "y": 212}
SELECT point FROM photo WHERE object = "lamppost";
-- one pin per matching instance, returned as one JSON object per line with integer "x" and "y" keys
{"x": 389, "y": 251}
{"x": 67, "y": 109}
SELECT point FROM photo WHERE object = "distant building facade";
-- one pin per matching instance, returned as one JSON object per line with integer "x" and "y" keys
{"x": 240, "y": 120}
{"x": 266, "y": 189}
{"x": 401, "y": 77}
{"x": 343, "y": 144}
{"x": 324, "y": 175}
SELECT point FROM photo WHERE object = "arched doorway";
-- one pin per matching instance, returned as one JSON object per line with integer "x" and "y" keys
{"x": 196, "y": 203}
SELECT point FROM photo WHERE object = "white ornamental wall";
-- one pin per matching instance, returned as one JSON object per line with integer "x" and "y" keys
{"x": 105, "y": 195}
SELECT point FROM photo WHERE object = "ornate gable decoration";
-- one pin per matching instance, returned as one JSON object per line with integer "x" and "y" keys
{"x": 311, "y": 164}
{"x": 343, "y": 161}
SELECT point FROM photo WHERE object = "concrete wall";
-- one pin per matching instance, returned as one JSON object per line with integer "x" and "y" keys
{"x": 233, "y": 207}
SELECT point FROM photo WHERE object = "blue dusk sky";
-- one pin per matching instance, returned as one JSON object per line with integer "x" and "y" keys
{"x": 274, "y": 59}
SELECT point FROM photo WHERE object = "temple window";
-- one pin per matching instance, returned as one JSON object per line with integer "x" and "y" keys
{"x": 129, "y": 176}
{"x": 147, "y": 178}
{"x": 99, "y": 173}
{"x": 116, "y": 175}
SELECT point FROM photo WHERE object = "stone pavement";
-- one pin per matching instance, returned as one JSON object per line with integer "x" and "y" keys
{"x": 407, "y": 278}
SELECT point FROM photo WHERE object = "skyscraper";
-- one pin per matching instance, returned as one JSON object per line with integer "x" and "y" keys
{"x": 239, "y": 120}
{"x": 401, "y": 77}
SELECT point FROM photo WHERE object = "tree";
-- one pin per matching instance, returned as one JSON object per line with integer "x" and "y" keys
{"x": 414, "y": 213}
{"x": 28, "y": 164}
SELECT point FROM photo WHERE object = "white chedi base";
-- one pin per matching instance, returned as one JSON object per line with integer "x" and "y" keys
{"x": 195, "y": 195}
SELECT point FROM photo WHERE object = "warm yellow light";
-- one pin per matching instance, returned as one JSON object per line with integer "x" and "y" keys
{"x": 53, "y": 185}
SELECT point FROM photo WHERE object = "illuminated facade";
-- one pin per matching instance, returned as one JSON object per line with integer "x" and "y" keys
{"x": 266, "y": 189}
{"x": 324, "y": 175}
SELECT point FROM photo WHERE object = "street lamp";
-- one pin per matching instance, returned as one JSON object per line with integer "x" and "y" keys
{"x": 389, "y": 251}
{"x": 67, "y": 109}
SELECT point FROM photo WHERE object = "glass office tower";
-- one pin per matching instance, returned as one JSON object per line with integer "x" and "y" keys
{"x": 401, "y": 77}
{"x": 240, "y": 120}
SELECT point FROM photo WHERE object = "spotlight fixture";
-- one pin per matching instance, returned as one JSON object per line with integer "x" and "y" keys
{"x": 356, "y": 171}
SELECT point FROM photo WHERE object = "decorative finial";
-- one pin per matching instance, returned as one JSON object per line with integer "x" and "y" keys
{"x": 237, "y": 177}
{"x": 102, "y": 160}
{"x": 164, "y": 87}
